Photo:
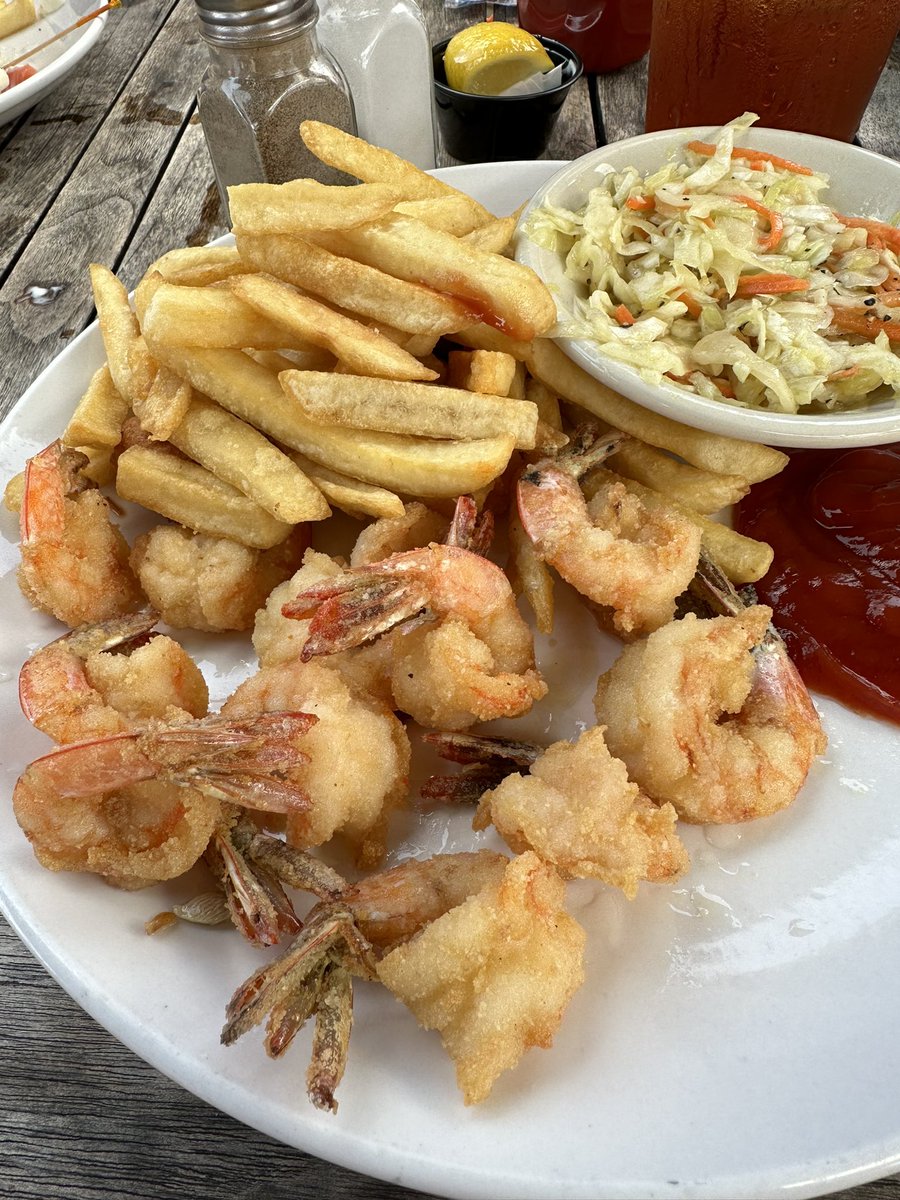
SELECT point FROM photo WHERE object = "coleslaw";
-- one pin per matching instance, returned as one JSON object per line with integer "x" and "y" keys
{"x": 726, "y": 273}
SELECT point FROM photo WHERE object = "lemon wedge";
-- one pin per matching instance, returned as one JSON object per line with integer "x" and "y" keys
{"x": 487, "y": 58}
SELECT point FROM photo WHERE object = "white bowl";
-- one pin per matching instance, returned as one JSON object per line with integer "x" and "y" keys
{"x": 862, "y": 184}
{"x": 54, "y": 63}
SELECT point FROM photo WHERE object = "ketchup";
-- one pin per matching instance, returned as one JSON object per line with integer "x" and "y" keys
{"x": 833, "y": 519}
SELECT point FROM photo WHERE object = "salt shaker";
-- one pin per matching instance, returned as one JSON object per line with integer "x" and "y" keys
{"x": 383, "y": 49}
{"x": 267, "y": 72}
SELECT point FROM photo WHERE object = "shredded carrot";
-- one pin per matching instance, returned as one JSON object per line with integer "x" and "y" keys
{"x": 754, "y": 157}
{"x": 694, "y": 307}
{"x": 889, "y": 299}
{"x": 775, "y": 219}
{"x": 847, "y": 373}
{"x": 880, "y": 234}
{"x": 868, "y": 325}
{"x": 722, "y": 384}
{"x": 622, "y": 315}
{"x": 640, "y": 203}
{"x": 891, "y": 284}
{"x": 770, "y": 285}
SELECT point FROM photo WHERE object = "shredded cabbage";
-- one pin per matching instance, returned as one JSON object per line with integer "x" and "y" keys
{"x": 691, "y": 250}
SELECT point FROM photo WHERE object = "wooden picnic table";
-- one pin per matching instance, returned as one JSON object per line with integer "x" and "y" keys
{"x": 111, "y": 167}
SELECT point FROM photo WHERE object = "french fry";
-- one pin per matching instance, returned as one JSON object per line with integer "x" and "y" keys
{"x": 517, "y": 387}
{"x": 743, "y": 559}
{"x": 709, "y": 451}
{"x": 349, "y": 494}
{"x": 547, "y": 403}
{"x": 312, "y": 359}
{"x": 371, "y": 164}
{"x": 145, "y": 291}
{"x": 303, "y": 205}
{"x": 239, "y": 384}
{"x": 408, "y": 465}
{"x": 100, "y": 467}
{"x": 495, "y": 236}
{"x": 120, "y": 332}
{"x": 701, "y": 491}
{"x": 457, "y": 214}
{"x": 143, "y": 369}
{"x": 354, "y": 286}
{"x": 99, "y": 414}
{"x": 409, "y": 408}
{"x": 164, "y": 406}
{"x": 238, "y": 454}
{"x": 529, "y": 574}
{"x": 482, "y": 337}
{"x": 420, "y": 345}
{"x": 211, "y": 317}
{"x": 491, "y": 372}
{"x": 358, "y": 347}
{"x": 187, "y": 493}
{"x": 197, "y": 266}
{"x": 508, "y": 295}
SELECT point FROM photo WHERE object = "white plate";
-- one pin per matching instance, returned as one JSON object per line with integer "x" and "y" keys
{"x": 54, "y": 63}
{"x": 737, "y": 1035}
{"x": 862, "y": 184}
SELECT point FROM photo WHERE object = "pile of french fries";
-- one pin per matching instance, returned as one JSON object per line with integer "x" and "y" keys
{"x": 359, "y": 346}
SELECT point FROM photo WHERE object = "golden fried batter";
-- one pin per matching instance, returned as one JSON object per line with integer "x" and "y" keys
{"x": 493, "y": 975}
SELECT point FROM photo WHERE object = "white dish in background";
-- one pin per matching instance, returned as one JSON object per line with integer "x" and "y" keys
{"x": 737, "y": 1035}
{"x": 54, "y": 63}
{"x": 862, "y": 184}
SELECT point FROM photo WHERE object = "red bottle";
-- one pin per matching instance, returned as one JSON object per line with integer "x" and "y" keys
{"x": 605, "y": 33}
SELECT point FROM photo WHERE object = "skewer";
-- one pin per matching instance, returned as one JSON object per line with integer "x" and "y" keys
{"x": 62, "y": 33}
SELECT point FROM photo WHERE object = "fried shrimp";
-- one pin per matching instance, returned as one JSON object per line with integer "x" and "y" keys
{"x": 74, "y": 560}
{"x": 578, "y": 810}
{"x": 278, "y": 639}
{"x": 143, "y": 806}
{"x": 110, "y": 677}
{"x": 210, "y": 583}
{"x": 358, "y": 754}
{"x": 612, "y": 549}
{"x": 391, "y": 535}
{"x": 343, "y": 937}
{"x": 494, "y": 974}
{"x": 472, "y": 659}
{"x": 712, "y": 716}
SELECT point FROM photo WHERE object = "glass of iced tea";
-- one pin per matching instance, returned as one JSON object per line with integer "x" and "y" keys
{"x": 605, "y": 34}
{"x": 807, "y": 65}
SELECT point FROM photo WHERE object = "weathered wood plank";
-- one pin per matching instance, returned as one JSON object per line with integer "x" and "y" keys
{"x": 621, "y": 96}
{"x": 880, "y": 127}
{"x": 83, "y": 1118}
{"x": 95, "y": 213}
{"x": 184, "y": 210}
{"x": 54, "y": 134}
{"x": 574, "y": 133}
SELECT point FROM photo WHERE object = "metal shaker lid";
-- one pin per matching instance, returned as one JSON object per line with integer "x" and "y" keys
{"x": 229, "y": 22}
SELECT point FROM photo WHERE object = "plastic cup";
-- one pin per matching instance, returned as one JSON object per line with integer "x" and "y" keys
{"x": 806, "y": 65}
{"x": 501, "y": 128}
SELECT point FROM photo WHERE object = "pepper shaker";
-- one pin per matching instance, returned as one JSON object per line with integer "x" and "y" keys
{"x": 267, "y": 72}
